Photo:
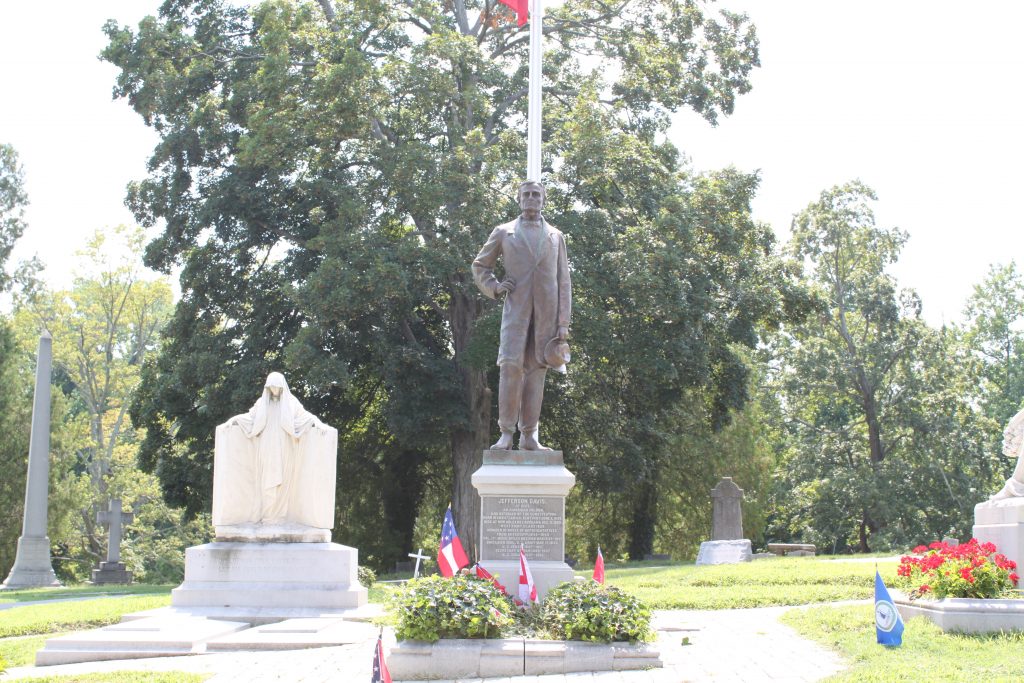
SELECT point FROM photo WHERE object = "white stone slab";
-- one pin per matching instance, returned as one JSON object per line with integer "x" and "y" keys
{"x": 724, "y": 552}
{"x": 258, "y": 616}
{"x": 295, "y": 634}
{"x": 153, "y": 637}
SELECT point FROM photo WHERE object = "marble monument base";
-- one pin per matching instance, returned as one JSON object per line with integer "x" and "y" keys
{"x": 32, "y": 567}
{"x": 269, "y": 532}
{"x": 318, "y": 576}
{"x": 111, "y": 572}
{"x": 1002, "y": 522}
{"x": 522, "y": 504}
{"x": 725, "y": 552}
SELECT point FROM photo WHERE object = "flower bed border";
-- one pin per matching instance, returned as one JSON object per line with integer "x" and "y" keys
{"x": 496, "y": 658}
{"x": 966, "y": 615}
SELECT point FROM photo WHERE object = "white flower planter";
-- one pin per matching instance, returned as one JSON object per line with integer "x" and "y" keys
{"x": 966, "y": 615}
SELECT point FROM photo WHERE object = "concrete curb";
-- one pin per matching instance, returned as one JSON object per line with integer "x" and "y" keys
{"x": 464, "y": 658}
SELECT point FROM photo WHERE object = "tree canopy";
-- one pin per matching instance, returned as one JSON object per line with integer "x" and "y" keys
{"x": 326, "y": 173}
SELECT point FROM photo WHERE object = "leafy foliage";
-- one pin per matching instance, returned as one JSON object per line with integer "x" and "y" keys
{"x": 884, "y": 444}
{"x": 13, "y": 200}
{"x": 586, "y": 610}
{"x": 461, "y": 606}
{"x": 367, "y": 577}
{"x": 326, "y": 179}
{"x": 103, "y": 328}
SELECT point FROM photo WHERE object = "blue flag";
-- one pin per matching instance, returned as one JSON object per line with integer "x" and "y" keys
{"x": 888, "y": 622}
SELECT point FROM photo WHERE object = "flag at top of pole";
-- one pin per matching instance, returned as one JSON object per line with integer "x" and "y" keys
{"x": 536, "y": 18}
{"x": 520, "y": 7}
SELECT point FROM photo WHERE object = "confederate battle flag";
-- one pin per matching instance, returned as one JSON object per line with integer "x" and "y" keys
{"x": 450, "y": 556}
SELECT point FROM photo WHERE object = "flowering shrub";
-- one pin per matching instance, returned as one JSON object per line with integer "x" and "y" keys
{"x": 968, "y": 570}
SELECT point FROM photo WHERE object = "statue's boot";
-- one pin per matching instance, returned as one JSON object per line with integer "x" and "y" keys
{"x": 510, "y": 395}
{"x": 529, "y": 416}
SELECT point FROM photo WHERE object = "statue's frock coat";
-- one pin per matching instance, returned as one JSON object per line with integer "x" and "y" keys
{"x": 543, "y": 291}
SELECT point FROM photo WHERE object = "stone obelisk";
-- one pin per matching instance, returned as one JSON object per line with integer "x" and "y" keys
{"x": 32, "y": 567}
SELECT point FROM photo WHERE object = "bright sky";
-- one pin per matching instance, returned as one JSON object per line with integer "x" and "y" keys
{"x": 920, "y": 100}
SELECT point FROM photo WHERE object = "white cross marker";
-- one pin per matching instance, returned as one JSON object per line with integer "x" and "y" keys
{"x": 419, "y": 556}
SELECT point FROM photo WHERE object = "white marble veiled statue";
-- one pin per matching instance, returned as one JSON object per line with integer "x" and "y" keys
{"x": 274, "y": 471}
{"x": 1013, "y": 447}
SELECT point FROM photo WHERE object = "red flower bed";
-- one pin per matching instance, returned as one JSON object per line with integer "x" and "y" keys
{"x": 968, "y": 570}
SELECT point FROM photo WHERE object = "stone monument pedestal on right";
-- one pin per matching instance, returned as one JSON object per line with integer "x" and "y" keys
{"x": 522, "y": 503}
{"x": 1002, "y": 522}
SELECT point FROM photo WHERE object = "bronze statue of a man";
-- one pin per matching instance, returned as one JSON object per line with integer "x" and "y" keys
{"x": 535, "y": 318}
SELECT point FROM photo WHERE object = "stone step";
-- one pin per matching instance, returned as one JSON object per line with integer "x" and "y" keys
{"x": 295, "y": 634}
{"x": 152, "y": 637}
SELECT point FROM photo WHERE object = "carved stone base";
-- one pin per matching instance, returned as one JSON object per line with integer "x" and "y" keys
{"x": 522, "y": 503}
{"x": 32, "y": 567}
{"x": 269, "y": 532}
{"x": 245, "y": 575}
{"x": 111, "y": 572}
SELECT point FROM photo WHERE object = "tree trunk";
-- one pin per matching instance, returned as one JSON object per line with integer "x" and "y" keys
{"x": 862, "y": 533}
{"x": 874, "y": 428}
{"x": 641, "y": 529}
{"x": 469, "y": 442}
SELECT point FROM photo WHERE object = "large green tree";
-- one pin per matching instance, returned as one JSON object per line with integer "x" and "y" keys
{"x": 326, "y": 173}
{"x": 884, "y": 444}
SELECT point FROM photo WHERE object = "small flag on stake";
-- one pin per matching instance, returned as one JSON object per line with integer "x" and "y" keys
{"x": 527, "y": 589}
{"x": 380, "y": 668}
{"x": 486, "y": 575}
{"x": 888, "y": 622}
{"x": 450, "y": 556}
{"x": 599, "y": 567}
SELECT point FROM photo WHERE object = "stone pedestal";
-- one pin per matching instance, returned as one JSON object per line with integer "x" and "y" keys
{"x": 522, "y": 503}
{"x": 265, "y": 575}
{"x": 1002, "y": 522}
{"x": 111, "y": 572}
{"x": 32, "y": 567}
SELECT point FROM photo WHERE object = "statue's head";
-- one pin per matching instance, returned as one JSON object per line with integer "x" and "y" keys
{"x": 276, "y": 385}
{"x": 532, "y": 196}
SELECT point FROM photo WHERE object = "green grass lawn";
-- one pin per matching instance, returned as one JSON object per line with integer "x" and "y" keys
{"x": 781, "y": 581}
{"x": 124, "y": 677}
{"x": 79, "y": 591}
{"x": 21, "y": 651}
{"x": 74, "y": 616}
{"x": 927, "y": 654}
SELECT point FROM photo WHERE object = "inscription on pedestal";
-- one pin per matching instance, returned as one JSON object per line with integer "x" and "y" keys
{"x": 535, "y": 522}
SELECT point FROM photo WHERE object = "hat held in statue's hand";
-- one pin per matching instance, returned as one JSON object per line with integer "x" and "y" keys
{"x": 556, "y": 353}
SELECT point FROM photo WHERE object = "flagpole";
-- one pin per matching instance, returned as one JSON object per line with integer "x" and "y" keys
{"x": 536, "y": 76}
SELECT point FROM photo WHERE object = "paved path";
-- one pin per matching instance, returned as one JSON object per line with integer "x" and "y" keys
{"x": 724, "y": 645}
